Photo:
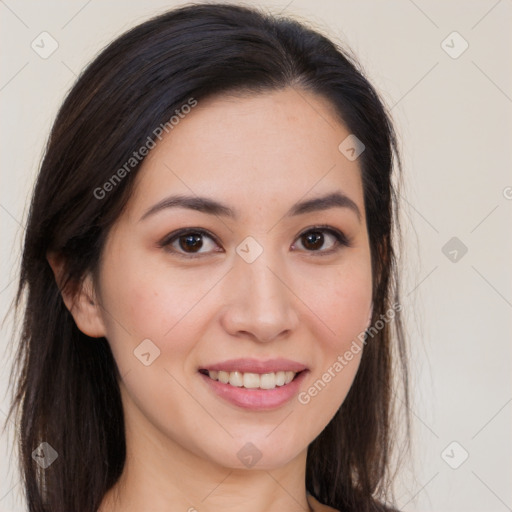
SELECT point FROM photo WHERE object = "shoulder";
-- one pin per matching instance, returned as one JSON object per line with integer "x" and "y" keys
{"x": 316, "y": 506}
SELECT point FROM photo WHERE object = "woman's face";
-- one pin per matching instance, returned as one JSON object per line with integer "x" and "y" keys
{"x": 227, "y": 251}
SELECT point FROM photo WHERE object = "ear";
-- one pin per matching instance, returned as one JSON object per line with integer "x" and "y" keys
{"x": 82, "y": 303}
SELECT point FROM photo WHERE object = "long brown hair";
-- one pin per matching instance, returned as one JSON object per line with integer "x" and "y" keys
{"x": 67, "y": 391}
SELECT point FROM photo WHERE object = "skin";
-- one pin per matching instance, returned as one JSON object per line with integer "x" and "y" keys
{"x": 258, "y": 154}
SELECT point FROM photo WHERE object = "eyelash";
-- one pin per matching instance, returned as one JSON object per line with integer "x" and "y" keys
{"x": 341, "y": 240}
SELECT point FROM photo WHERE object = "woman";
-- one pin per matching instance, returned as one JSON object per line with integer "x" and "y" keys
{"x": 213, "y": 315}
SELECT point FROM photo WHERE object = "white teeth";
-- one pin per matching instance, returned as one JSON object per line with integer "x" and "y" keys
{"x": 288, "y": 377}
{"x": 236, "y": 379}
{"x": 252, "y": 380}
{"x": 280, "y": 378}
{"x": 268, "y": 381}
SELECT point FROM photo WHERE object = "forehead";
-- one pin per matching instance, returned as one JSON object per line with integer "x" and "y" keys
{"x": 252, "y": 150}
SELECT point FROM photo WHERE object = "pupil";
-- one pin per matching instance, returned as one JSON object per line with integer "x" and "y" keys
{"x": 192, "y": 241}
{"x": 314, "y": 240}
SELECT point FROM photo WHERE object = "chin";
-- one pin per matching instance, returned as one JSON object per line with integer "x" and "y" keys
{"x": 258, "y": 454}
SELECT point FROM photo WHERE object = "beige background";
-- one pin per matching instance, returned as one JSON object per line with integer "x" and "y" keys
{"x": 454, "y": 117}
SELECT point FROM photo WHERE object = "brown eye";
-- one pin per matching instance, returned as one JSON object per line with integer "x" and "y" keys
{"x": 191, "y": 243}
{"x": 313, "y": 240}
{"x": 322, "y": 240}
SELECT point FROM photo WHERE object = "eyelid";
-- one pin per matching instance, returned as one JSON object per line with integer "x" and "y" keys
{"x": 165, "y": 243}
{"x": 342, "y": 240}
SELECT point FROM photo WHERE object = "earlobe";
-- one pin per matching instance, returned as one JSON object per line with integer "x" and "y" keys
{"x": 81, "y": 300}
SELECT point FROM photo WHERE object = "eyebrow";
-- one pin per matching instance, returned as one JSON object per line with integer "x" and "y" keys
{"x": 213, "y": 207}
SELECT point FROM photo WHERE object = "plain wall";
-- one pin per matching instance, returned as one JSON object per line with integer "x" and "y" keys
{"x": 454, "y": 119}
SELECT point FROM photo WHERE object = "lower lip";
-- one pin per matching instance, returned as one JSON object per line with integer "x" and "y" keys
{"x": 256, "y": 399}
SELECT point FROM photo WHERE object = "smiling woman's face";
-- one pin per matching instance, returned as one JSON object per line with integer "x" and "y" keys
{"x": 259, "y": 278}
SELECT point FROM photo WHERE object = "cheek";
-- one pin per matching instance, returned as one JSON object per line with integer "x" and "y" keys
{"x": 341, "y": 301}
{"x": 151, "y": 301}
{"x": 344, "y": 309}
{"x": 341, "y": 305}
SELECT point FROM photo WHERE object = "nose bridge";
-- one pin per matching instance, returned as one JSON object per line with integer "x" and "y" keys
{"x": 264, "y": 288}
{"x": 261, "y": 304}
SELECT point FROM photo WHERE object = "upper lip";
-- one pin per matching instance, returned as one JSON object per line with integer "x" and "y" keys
{"x": 246, "y": 365}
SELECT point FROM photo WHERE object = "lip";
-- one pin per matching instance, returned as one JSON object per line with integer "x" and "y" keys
{"x": 247, "y": 365}
{"x": 256, "y": 399}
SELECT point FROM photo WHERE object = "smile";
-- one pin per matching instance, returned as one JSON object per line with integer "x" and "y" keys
{"x": 254, "y": 391}
{"x": 252, "y": 380}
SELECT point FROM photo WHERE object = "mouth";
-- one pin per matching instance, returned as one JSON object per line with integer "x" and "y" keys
{"x": 254, "y": 391}
{"x": 248, "y": 380}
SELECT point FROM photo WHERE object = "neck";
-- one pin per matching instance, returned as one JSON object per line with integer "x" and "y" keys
{"x": 162, "y": 475}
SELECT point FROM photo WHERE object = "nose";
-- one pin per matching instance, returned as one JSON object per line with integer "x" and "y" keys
{"x": 260, "y": 304}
